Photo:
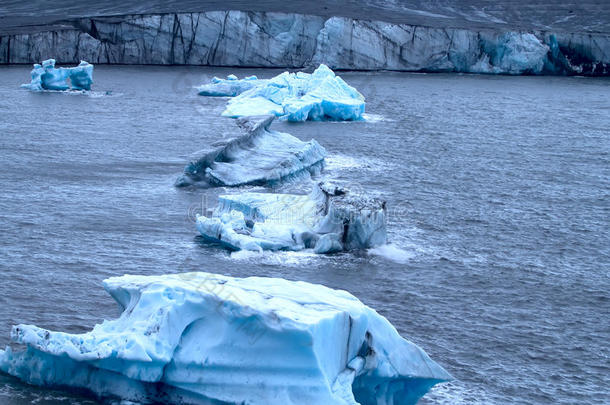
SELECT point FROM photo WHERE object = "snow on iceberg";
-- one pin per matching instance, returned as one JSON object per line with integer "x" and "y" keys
{"x": 48, "y": 77}
{"x": 200, "y": 338}
{"x": 299, "y": 96}
{"x": 260, "y": 157}
{"x": 328, "y": 220}
{"x": 229, "y": 87}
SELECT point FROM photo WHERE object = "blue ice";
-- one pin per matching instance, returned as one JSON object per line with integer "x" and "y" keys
{"x": 319, "y": 96}
{"x": 202, "y": 338}
{"x": 46, "y": 76}
{"x": 229, "y": 87}
{"x": 328, "y": 220}
{"x": 260, "y": 156}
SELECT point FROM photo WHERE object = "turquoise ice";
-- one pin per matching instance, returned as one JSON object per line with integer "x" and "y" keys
{"x": 200, "y": 338}
{"x": 319, "y": 96}
{"x": 229, "y": 87}
{"x": 46, "y": 76}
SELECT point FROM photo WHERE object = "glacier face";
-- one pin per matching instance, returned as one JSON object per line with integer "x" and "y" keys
{"x": 46, "y": 76}
{"x": 328, "y": 220}
{"x": 203, "y": 338}
{"x": 319, "y": 96}
{"x": 274, "y": 39}
{"x": 259, "y": 157}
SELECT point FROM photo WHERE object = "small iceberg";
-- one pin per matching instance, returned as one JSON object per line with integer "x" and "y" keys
{"x": 229, "y": 87}
{"x": 200, "y": 338}
{"x": 328, "y": 220}
{"x": 46, "y": 76}
{"x": 258, "y": 157}
{"x": 320, "y": 96}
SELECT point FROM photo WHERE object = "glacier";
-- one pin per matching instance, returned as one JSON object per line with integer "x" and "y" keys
{"x": 328, "y": 220}
{"x": 229, "y": 87}
{"x": 260, "y": 156}
{"x": 321, "y": 95}
{"x": 46, "y": 76}
{"x": 291, "y": 40}
{"x": 201, "y": 338}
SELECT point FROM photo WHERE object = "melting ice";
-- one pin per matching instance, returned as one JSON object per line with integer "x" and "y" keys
{"x": 46, "y": 76}
{"x": 200, "y": 338}
{"x": 318, "y": 96}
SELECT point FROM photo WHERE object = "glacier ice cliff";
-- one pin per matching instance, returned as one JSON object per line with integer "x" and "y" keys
{"x": 276, "y": 39}
{"x": 330, "y": 219}
{"x": 200, "y": 338}
{"x": 229, "y": 87}
{"x": 260, "y": 156}
{"x": 319, "y": 96}
{"x": 46, "y": 76}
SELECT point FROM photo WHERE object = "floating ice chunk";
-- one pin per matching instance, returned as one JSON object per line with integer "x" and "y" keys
{"x": 200, "y": 338}
{"x": 260, "y": 156}
{"x": 321, "y": 95}
{"x": 328, "y": 220}
{"x": 47, "y": 77}
{"x": 229, "y": 87}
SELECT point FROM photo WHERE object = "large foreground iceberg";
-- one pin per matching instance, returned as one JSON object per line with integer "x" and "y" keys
{"x": 260, "y": 157}
{"x": 48, "y": 77}
{"x": 328, "y": 220}
{"x": 199, "y": 338}
{"x": 299, "y": 96}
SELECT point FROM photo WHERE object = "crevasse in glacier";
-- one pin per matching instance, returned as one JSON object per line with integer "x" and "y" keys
{"x": 229, "y": 87}
{"x": 47, "y": 77}
{"x": 318, "y": 96}
{"x": 200, "y": 338}
{"x": 260, "y": 156}
{"x": 328, "y": 220}
{"x": 269, "y": 39}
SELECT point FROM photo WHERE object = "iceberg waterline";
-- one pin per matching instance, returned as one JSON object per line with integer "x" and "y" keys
{"x": 260, "y": 156}
{"x": 328, "y": 220}
{"x": 318, "y": 96}
{"x": 272, "y": 39}
{"x": 46, "y": 76}
{"x": 203, "y": 338}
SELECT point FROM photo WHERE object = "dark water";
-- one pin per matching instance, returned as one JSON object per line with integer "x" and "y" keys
{"x": 498, "y": 188}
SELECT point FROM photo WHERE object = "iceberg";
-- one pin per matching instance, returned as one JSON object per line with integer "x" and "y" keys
{"x": 200, "y": 338}
{"x": 299, "y": 96}
{"x": 258, "y": 157}
{"x": 512, "y": 53}
{"x": 328, "y": 220}
{"x": 46, "y": 76}
{"x": 229, "y": 87}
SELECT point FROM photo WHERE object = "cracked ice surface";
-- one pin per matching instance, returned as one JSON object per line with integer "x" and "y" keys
{"x": 270, "y": 39}
{"x": 328, "y": 220}
{"x": 299, "y": 96}
{"x": 261, "y": 156}
{"x": 48, "y": 77}
{"x": 209, "y": 339}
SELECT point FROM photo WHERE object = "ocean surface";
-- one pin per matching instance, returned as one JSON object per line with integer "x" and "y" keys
{"x": 498, "y": 191}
